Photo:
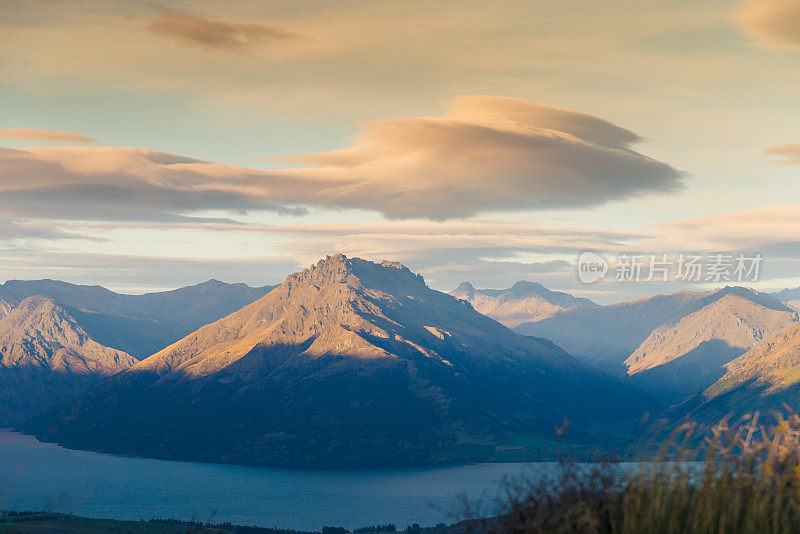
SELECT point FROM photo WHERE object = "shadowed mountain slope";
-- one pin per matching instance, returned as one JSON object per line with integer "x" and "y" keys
{"x": 766, "y": 379}
{"x": 723, "y": 329}
{"x": 525, "y": 301}
{"x": 46, "y": 358}
{"x": 347, "y": 363}
{"x": 774, "y": 363}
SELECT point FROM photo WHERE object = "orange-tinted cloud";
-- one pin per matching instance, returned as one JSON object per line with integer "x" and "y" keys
{"x": 487, "y": 154}
{"x": 48, "y": 136}
{"x": 772, "y": 23}
{"x": 197, "y": 30}
{"x": 789, "y": 153}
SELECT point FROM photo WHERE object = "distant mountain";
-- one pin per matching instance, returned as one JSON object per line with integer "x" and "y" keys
{"x": 678, "y": 343}
{"x": 606, "y": 335}
{"x": 138, "y": 324}
{"x": 525, "y": 301}
{"x": 348, "y": 363}
{"x": 790, "y": 297}
{"x": 46, "y": 358}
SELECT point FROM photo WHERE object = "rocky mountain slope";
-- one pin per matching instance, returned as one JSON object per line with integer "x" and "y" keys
{"x": 687, "y": 354}
{"x": 348, "y": 363}
{"x": 138, "y": 324}
{"x": 46, "y": 358}
{"x": 672, "y": 346}
{"x": 764, "y": 380}
{"x": 525, "y": 301}
{"x": 774, "y": 363}
{"x": 5, "y": 308}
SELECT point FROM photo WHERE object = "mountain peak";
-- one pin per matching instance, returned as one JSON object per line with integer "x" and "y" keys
{"x": 523, "y": 302}
{"x": 40, "y": 333}
{"x": 464, "y": 289}
{"x": 762, "y": 299}
{"x": 526, "y": 287}
{"x": 339, "y": 269}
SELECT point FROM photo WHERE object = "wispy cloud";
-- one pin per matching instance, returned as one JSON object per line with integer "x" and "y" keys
{"x": 772, "y": 23}
{"x": 206, "y": 32}
{"x": 48, "y": 136}
{"x": 789, "y": 153}
{"x": 12, "y": 230}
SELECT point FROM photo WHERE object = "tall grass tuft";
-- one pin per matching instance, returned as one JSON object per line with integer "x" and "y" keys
{"x": 742, "y": 478}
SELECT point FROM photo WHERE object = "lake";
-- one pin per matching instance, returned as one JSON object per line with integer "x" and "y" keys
{"x": 38, "y": 476}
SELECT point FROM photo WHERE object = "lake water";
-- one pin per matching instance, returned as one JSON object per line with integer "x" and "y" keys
{"x": 40, "y": 476}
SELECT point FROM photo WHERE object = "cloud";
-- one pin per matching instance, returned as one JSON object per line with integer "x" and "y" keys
{"x": 49, "y": 136}
{"x": 789, "y": 153}
{"x": 360, "y": 58}
{"x": 197, "y": 30}
{"x": 128, "y": 184}
{"x": 488, "y": 153}
{"x": 772, "y": 228}
{"x": 488, "y": 252}
{"x": 11, "y": 230}
{"x": 772, "y": 23}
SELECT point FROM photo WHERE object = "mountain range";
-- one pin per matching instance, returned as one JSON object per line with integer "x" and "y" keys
{"x": 138, "y": 324}
{"x": 350, "y": 363}
{"x": 672, "y": 346}
{"x": 57, "y": 339}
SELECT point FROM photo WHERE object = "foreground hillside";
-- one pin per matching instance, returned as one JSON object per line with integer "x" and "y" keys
{"x": 34, "y": 523}
{"x": 349, "y": 363}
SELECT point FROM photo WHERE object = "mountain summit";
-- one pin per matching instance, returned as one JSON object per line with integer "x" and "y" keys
{"x": 348, "y": 362}
{"x": 523, "y": 302}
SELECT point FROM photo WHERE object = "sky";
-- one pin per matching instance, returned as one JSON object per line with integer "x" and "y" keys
{"x": 146, "y": 146}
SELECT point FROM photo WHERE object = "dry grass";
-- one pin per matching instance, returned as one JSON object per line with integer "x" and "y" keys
{"x": 744, "y": 478}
